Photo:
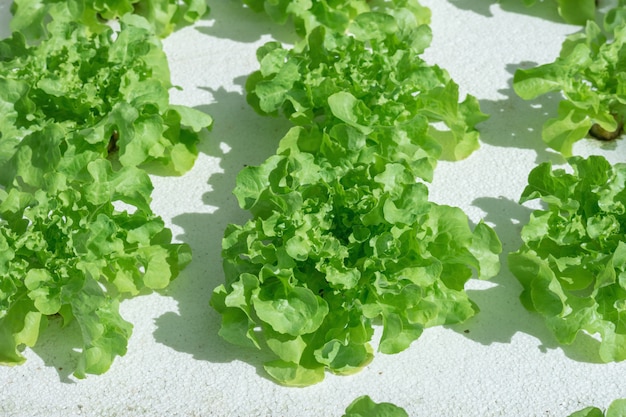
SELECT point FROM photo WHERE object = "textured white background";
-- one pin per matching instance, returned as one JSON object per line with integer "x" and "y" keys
{"x": 503, "y": 362}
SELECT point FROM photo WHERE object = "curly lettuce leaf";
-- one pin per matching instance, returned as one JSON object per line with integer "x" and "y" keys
{"x": 163, "y": 16}
{"x": 572, "y": 264}
{"x": 591, "y": 75}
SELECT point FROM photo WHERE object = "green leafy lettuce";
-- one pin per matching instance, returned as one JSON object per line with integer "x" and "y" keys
{"x": 590, "y": 72}
{"x": 572, "y": 264}
{"x": 343, "y": 236}
{"x": 372, "y": 79}
{"x": 66, "y": 250}
{"x": 31, "y": 16}
{"x": 109, "y": 92}
{"x": 616, "y": 409}
{"x": 365, "y": 407}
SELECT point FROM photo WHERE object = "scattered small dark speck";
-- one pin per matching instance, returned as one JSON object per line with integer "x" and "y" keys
{"x": 465, "y": 331}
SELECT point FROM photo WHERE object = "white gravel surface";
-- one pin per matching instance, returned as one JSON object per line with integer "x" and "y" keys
{"x": 503, "y": 362}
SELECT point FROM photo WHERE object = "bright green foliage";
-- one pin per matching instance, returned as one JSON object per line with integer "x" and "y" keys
{"x": 65, "y": 249}
{"x": 616, "y": 409}
{"x": 576, "y": 12}
{"x": 79, "y": 113}
{"x": 373, "y": 79}
{"x": 335, "y": 15}
{"x": 342, "y": 235}
{"x": 163, "y": 16}
{"x": 107, "y": 92}
{"x": 591, "y": 74}
{"x": 572, "y": 264}
{"x": 365, "y": 407}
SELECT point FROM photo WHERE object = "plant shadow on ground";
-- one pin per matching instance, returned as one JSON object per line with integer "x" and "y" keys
{"x": 225, "y": 12}
{"x": 58, "y": 347}
{"x": 546, "y": 9}
{"x": 246, "y": 139}
{"x": 516, "y": 123}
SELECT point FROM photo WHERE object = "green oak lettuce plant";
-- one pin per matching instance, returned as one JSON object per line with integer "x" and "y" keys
{"x": 591, "y": 76}
{"x": 572, "y": 264}
{"x": 66, "y": 250}
{"x": 372, "y": 78}
{"x": 109, "y": 92}
{"x": 343, "y": 236}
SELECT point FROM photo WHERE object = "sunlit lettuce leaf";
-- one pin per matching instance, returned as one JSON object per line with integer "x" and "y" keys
{"x": 572, "y": 264}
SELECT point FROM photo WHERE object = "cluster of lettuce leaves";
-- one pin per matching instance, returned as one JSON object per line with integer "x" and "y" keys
{"x": 616, "y": 409}
{"x": 343, "y": 235}
{"x": 81, "y": 115}
{"x": 590, "y": 73}
{"x": 572, "y": 264}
